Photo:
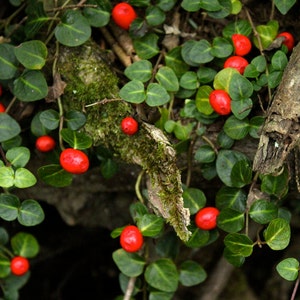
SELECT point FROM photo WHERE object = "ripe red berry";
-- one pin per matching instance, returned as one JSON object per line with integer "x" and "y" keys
{"x": 220, "y": 102}
{"x": 289, "y": 40}
{"x": 131, "y": 239}
{"x": 206, "y": 218}
{"x": 237, "y": 62}
{"x": 45, "y": 143}
{"x": 129, "y": 125}
{"x": 2, "y": 107}
{"x": 123, "y": 14}
{"x": 74, "y": 161}
{"x": 19, "y": 265}
{"x": 241, "y": 43}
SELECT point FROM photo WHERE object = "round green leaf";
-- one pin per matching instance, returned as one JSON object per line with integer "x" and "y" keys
{"x": 199, "y": 238}
{"x": 235, "y": 128}
{"x": 77, "y": 140}
{"x": 108, "y": 168}
{"x": 137, "y": 210}
{"x": 32, "y": 54}
{"x": 130, "y": 264}
{"x": 263, "y": 211}
{"x": 206, "y": 75}
{"x": 240, "y": 26}
{"x": 173, "y": 59}
{"x": 4, "y": 266}
{"x": 133, "y": 91}
{"x": 240, "y": 87}
{"x": 146, "y": 46}
{"x": 274, "y": 79}
{"x": 150, "y": 225}
{"x": 284, "y": 6}
{"x": 25, "y": 244}
{"x": 18, "y": 156}
{"x": 36, "y": 126}
{"x": 156, "y": 95}
{"x": 239, "y": 244}
{"x": 8, "y": 62}
{"x": 49, "y": 119}
{"x": 54, "y": 175}
{"x": 230, "y": 220}
{"x": 30, "y": 213}
{"x": 74, "y": 29}
{"x": 267, "y": 33}
{"x": 194, "y": 199}
{"x": 189, "y": 81}
{"x": 210, "y": 5}
{"x": 255, "y": 126}
{"x": 30, "y": 86}
{"x": 242, "y": 108}
{"x": 230, "y": 197}
{"x": 241, "y": 173}
{"x": 191, "y": 273}
{"x": 140, "y": 70}
{"x": 97, "y": 16}
{"x": 168, "y": 79}
{"x": 165, "y": 5}
{"x": 200, "y": 53}
{"x": 162, "y": 275}
{"x": 226, "y": 8}
{"x": 221, "y": 47}
{"x": 9, "y": 127}
{"x": 6, "y": 177}
{"x": 168, "y": 245}
{"x": 24, "y": 178}
{"x": 4, "y": 237}
{"x": 191, "y": 6}
{"x": 157, "y": 295}
{"x": 278, "y": 234}
{"x": 75, "y": 119}
{"x": 288, "y": 269}
{"x": 202, "y": 100}
{"x": 205, "y": 154}
{"x": 224, "y": 140}
{"x": 9, "y": 206}
{"x": 223, "y": 79}
{"x": 155, "y": 16}
{"x": 234, "y": 259}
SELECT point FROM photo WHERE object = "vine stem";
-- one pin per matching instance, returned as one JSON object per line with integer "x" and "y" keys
{"x": 137, "y": 186}
{"x": 295, "y": 289}
{"x": 130, "y": 288}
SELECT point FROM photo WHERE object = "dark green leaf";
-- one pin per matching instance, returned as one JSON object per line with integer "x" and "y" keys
{"x": 199, "y": 238}
{"x": 108, "y": 168}
{"x": 9, "y": 206}
{"x": 189, "y": 81}
{"x": 234, "y": 259}
{"x": 4, "y": 266}
{"x": 18, "y": 156}
{"x": 133, "y": 91}
{"x": 8, "y": 62}
{"x": 77, "y": 140}
{"x": 221, "y": 47}
{"x": 240, "y": 87}
{"x": 97, "y": 16}
{"x": 194, "y": 199}
{"x": 191, "y": 273}
{"x": 235, "y": 128}
{"x": 165, "y": 5}
{"x": 168, "y": 79}
{"x": 239, "y": 244}
{"x": 255, "y": 126}
{"x": 191, "y": 5}
{"x": 50, "y": 119}
{"x": 30, "y": 213}
{"x": 156, "y": 95}
{"x": 240, "y": 26}
{"x": 25, "y": 244}
{"x": 242, "y": 108}
{"x": 229, "y": 197}
{"x": 9, "y": 127}
{"x": 146, "y": 47}
{"x": 75, "y": 119}
{"x": 155, "y": 16}
{"x": 205, "y": 154}
{"x": 241, "y": 173}
{"x": 173, "y": 59}
{"x": 206, "y": 75}
{"x": 230, "y": 220}
{"x": 226, "y": 8}
{"x": 210, "y": 5}
{"x": 140, "y": 70}
{"x": 150, "y": 225}
{"x": 54, "y": 175}
{"x": 168, "y": 245}
{"x": 263, "y": 211}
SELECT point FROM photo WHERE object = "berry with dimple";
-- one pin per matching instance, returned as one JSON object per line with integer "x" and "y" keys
{"x": 289, "y": 40}
{"x": 45, "y": 143}
{"x": 220, "y": 101}
{"x": 19, "y": 265}
{"x": 74, "y": 161}
{"x": 237, "y": 62}
{"x": 131, "y": 239}
{"x": 241, "y": 43}
{"x": 206, "y": 218}
{"x": 2, "y": 107}
{"x": 129, "y": 126}
{"x": 123, "y": 14}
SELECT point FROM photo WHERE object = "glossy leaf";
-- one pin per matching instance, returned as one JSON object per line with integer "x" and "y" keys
{"x": 189, "y": 81}
{"x": 6, "y": 177}
{"x": 202, "y": 100}
{"x": 108, "y": 168}
{"x": 256, "y": 124}
{"x": 191, "y": 6}
{"x": 25, "y": 244}
{"x": 194, "y": 199}
{"x": 240, "y": 87}
{"x": 191, "y": 273}
{"x": 240, "y": 26}
{"x": 97, "y": 16}
{"x": 146, "y": 47}
{"x": 223, "y": 79}
{"x": 30, "y": 213}
{"x": 77, "y": 140}
{"x": 235, "y": 128}
{"x": 49, "y": 119}
{"x": 173, "y": 59}
{"x": 4, "y": 237}
{"x": 284, "y": 5}
{"x": 156, "y": 95}
{"x": 150, "y": 225}
{"x": 140, "y": 70}
{"x": 210, "y": 5}
{"x": 263, "y": 211}
{"x": 200, "y": 52}
{"x": 221, "y": 47}
{"x": 9, "y": 127}
{"x": 18, "y": 156}
{"x": 155, "y": 16}
{"x": 133, "y": 91}
{"x": 288, "y": 269}
{"x": 8, "y": 62}
{"x": 267, "y": 33}
{"x": 199, "y": 238}
{"x": 54, "y": 175}
{"x": 279, "y": 60}
{"x": 206, "y": 75}
{"x": 241, "y": 173}
{"x": 242, "y": 108}
{"x": 235, "y": 259}
{"x": 230, "y": 220}
{"x": 4, "y": 266}
{"x": 9, "y": 206}
{"x": 239, "y": 244}
{"x": 168, "y": 245}
{"x": 75, "y": 119}
{"x": 36, "y": 126}
{"x": 168, "y": 79}
{"x": 226, "y": 8}
{"x": 165, "y": 5}
{"x": 205, "y": 154}
{"x": 230, "y": 197}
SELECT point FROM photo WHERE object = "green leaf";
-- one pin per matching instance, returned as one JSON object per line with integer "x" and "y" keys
{"x": 6, "y": 177}
{"x": 288, "y": 269}
{"x": 197, "y": 52}
{"x": 150, "y": 225}
{"x": 165, "y": 5}
{"x": 263, "y": 211}
{"x": 24, "y": 178}
{"x": 210, "y": 5}
{"x": 191, "y": 5}
{"x": 267, "y": 34}
{"x": 242, "y": 108}
{"x": 8, "y": 62}
{"x": 9, "y": 207}
{"x": 223, "y": 79}
{"x": 36, "y": 126}
{"x": 108, "y": 168}
{"x": 54, "y": 175}
{"x": 235, "y": 128}
{"x": 240, "y": 87}
{"x": 74, "y": 29}
{"x": 146, "y": 46}
{"x": 234, "y": 259}
{"x": 18, "y": 156}
{"x": 241, "y": 173}
{"x": 137, "y": 210}
{"x": 284, "y": 5}
{"x": 4, "y": 237}
{"x": 224, "y": 141}
{"x": 231, "y": 220}
{"x": 168, "y": 79}
{"x": 49, "y": 119}
{"x": 30, "y": 86}
{"x": 130, "y": 264}
{"x": 226, "y": 8}
{"x": 30, "y": 213}
{"x": 205, "y": 154}
{"x": 77, "y": 140}
{"x": 168, "y": 245}
{"x": 239, "y": 244}
{"x": 240, "y": 26}
{"x": 199, "y": 238}
{"x": 9, "y": 127}
{"x": 189, "y": 81}
{"x": 133, "y": 91}
{"x": 156, "y": 95}
{"x": 206, "y": 75}
{"x": 4, "y": 266}
{"x": 75, "y": 119}
{"x": 274, "y": 79}
{"x": 221, "y": 47}
{"x": 202, "y": 100}
{"x": 32, "y": 54}
{"x": 230, "y": 197}
{"x": 278, "y": 234}
{"x": 162, "y": 275}
{"x": 191, "y": 273}
{"x": 279, "y": 60}
{"x": 140, "y": 70}
{"x": 194, "y": 199}
{"x": 255, "y": 126}
{"x": 157, "y": 295}
{"x": 155, "y": 16}
{"x": 173, "y": 59}
{"x": 25, "y": 244}
{"x": 97, "y": 16}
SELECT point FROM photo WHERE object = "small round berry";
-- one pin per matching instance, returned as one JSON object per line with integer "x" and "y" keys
{"x": 74, "y": 161}
{"x": 129, "y": 125}
{"x": 206, "y": 218}
{"x": 289, "y": 40}
{"x": 241, "y": 43}
{"x": 2, "y": 108}
{"x": 220, "y": 101}
{"x": 45, "y": 143}
{"x": 123, "y": 14}
{"x": 131, "y": 239}
{"x": 237, "y": 62}
{"x": 19, "y": 265}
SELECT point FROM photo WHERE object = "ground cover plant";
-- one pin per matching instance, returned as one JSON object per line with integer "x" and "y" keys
{"x": 197, "y": 99}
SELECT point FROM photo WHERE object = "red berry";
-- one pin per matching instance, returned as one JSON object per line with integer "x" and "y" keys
{"x": 289, "y": 40}
{"x": 19, "y": 265}
{"x": 237, "y": 62}
{"x": 129, "y": 125}
{"x": 241, "y": 43}
{"x": 45, "y": 143}
{"x": 74, "y": 161}
{"x": 123, "y": 14}
{"x": 220, "y": 102}
{"x": 2, "y": 107}
{"x": 206, "y": 218}
{"x": 131, "y": 239}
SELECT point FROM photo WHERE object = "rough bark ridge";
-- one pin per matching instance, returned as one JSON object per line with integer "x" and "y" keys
{"x": 91, "y": 86}
{"x": 281, "y": 131}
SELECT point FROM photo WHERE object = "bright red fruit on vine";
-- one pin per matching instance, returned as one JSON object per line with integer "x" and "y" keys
{"x": 129, "y": 126}
{"x": 289, "y": 40}
{"x": 237, "y": 62}
{"x": 220, "y": 101}
{"x": 74, "y": 161}
{"x": 2, "y": 107}
{"x": 19, "y": 265}
{"x": 123, "y": 14}
{"x": 241, "y": 43}
{"x": 45, "y": 143}
{"x": 206, "y": 218}
{"x": 131, "y": 239}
